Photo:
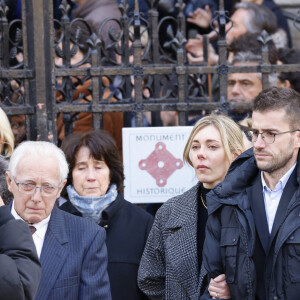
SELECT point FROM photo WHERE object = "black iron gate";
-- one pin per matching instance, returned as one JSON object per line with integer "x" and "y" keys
{"x": 134, "y": 66}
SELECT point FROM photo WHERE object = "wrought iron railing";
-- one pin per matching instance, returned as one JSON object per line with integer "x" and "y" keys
{"x": 132, "y": 70}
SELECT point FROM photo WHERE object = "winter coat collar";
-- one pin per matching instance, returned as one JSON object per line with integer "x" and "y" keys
{"x": 240, "y": 176}
{"x": 111, "y": 211}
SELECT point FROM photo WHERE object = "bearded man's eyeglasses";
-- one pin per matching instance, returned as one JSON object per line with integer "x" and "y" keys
{"x": 267, "y": 136}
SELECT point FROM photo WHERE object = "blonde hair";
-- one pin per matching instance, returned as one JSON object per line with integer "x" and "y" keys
{"x": 7, "y": 139}
{"x": 231, "y": 136}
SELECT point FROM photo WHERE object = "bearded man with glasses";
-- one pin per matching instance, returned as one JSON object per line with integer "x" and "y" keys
{"x": 253, "y": 228}
{"x": 72, "y": 250}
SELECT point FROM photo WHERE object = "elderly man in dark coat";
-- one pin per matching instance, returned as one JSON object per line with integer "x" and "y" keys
{"x": 72, "y": 250}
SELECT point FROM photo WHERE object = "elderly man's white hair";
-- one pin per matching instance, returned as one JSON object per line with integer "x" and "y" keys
{"x": 37, "y": 149}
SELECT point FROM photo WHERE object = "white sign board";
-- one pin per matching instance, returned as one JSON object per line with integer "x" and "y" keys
{"x": 153, "y": 164}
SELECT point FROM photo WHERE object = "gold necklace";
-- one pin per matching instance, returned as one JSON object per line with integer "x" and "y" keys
{"x": 202, "y": 200}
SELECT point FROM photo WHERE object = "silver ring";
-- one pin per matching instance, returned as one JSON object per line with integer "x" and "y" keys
{"x": 217, "y": 295}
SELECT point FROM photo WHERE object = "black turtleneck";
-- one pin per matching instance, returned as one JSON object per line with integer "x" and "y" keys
{"x": 201, "y": 224}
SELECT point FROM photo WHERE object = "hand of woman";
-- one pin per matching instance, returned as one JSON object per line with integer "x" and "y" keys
{"x": 218, "y": 288}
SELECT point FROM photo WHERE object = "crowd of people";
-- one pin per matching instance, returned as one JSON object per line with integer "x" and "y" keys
{"x": 67, "y": 232}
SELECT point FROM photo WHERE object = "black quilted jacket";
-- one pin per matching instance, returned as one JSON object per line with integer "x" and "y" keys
{"x": 230, "y": 237}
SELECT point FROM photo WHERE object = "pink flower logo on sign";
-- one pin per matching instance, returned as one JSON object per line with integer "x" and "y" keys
{"x": 161, "y": 164}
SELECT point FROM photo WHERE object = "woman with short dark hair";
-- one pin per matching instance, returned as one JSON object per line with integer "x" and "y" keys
{"x": 94, "y": 188}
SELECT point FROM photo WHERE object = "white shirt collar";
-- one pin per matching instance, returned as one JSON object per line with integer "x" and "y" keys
{"x": 41, "y": 228}
{"x": 272, "y": 197}
{"x": 282, "y": 182}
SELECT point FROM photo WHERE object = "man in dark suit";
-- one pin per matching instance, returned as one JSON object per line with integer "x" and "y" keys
{"x": 72, "y": 250}
{"x": 253, "y": 228}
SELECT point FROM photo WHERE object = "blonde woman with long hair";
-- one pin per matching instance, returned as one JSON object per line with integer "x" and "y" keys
{"x": 171, "y": 262}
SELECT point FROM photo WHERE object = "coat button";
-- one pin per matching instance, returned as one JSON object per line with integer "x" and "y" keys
{"x": 275, "y": 298}
{"x": 292, "y": 237}
{"x": 234, "y": 240}
{"x": 105, "y": 226}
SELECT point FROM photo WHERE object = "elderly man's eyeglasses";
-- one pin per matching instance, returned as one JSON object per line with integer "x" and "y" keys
{"x": 30, "y": 189}
{"x": 268, "y": 136}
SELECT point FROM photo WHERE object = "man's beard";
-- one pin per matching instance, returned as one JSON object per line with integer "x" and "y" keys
{"x": 279, "y": 162}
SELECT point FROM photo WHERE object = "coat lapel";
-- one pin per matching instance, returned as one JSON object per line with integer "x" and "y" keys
{"x": 54, "y": 253}
{"x": 288, "y": 192}
{"x": 182, "y": 242}
{"x": 255, "y": 195}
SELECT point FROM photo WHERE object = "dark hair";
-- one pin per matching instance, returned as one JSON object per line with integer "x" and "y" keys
{"x": 102, "y": 147}
{"x": 249, "y": 42}
{"x": 275, "y": 98}
{"x": 259, "y": 18}
{"x": 246, "y": 57}
{"x": 290, "y": 56}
